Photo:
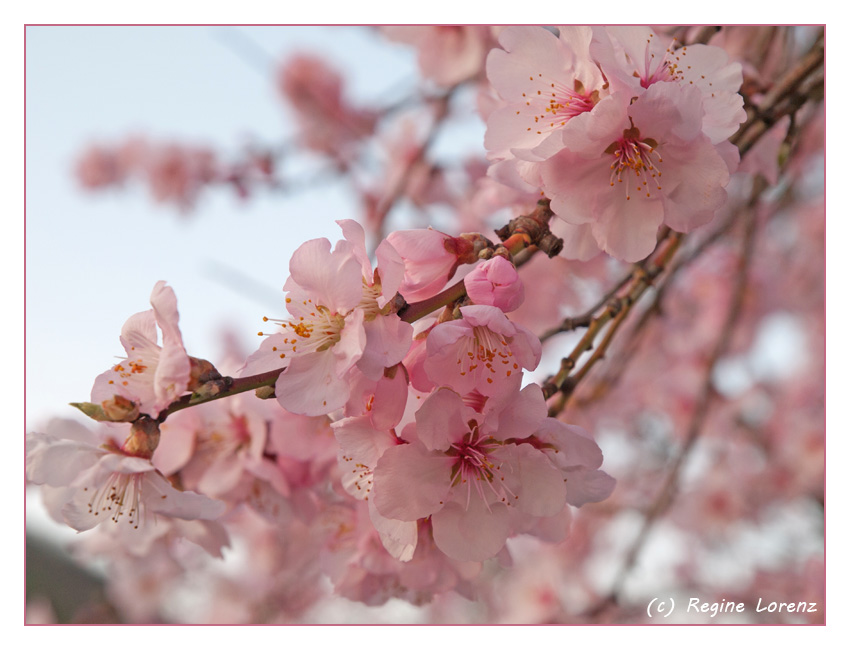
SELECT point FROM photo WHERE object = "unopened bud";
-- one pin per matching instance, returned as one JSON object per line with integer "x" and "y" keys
{"x": 201, "y": 372}
{"x": 94, "y": 411}
{"x": 212, "y": 388}
{"x": 265, "y": 392}
{"x": 120, "y": 409}
{"x": 116, "y": 409}
{"x": 143, "y": 438}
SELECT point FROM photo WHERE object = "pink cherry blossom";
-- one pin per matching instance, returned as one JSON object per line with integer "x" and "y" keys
{"x": 495, "y": 282}
{"x": 448, "y": 54}
{"x": 481, "y": 351}
{"x": 362, "y": 440}
{"x": 576, "y": 454}
{"x": 638, "y": 165}
{"x": 226, "y": 440}
{"x": 103, "y": 165}
{"x": 329, "y": 124}
{"x": 633, "y": 58}
{"x": 151, "y": 376}
{"x": 468, "y": 470}
{"x": 545, "y": 82}
{"x": 104, "y": 482}
{"x": 99, "y": 167}
{"x": 337, "y": 323}
{"x": 176, "y": 173}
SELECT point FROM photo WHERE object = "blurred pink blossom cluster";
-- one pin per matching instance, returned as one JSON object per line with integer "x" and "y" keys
{"x": 175, "y": 174}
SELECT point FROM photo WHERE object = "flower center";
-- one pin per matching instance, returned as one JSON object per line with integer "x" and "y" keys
{"x": 635, "y": 160}
{"x": 316, "y": 330}
{"x": 557, "y": 103}
{"x": 119, "y": 496}
{"x": 476, "y": 466}
{"x": 486, "y": 350}
{"x": 369, "y": 301}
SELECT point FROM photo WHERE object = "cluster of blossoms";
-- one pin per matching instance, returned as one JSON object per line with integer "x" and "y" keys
{"x": 621, "y": 128}
{"x": 432, "y": 431}
{"x": 386, "y": 434}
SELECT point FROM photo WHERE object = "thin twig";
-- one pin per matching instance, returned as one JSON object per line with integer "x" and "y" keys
{"x": 666, "y": 495}
{"x": 640, "y": 279}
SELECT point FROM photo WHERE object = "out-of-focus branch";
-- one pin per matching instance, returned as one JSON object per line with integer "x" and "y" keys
{"x": 666, "y": 494}
{"x": 441, "y": 109}
{"x": 795, "y": 89}
{"x": 784, "y": 97}
{"x": 615, "y": 311}
{"x": 632, "y": 338}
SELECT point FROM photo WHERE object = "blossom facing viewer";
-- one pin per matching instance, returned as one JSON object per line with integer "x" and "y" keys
{"x": 480, "y": 475}
{"x": 639, "y": 164}
{"x": 481, "y": 351}
{"x": 101, "y": 476}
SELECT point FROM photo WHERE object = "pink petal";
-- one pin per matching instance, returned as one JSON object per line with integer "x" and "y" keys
{"x": 356, "y": 236}
{"x": 576, "y": 447}
{"x": 139, "y": 333}
{"x": 475, "y": 533}
{"x": 162, "y": 498}
{"x": 57, "y": 462}
{"x": 176, "y": 443}
{"x": 398, "y": 537}
{"x": 388, "y": 340}
{"x": 391, "y": 271}
{"x": 542, "y": 492}
{"x": 410, "y": 482}
{"x": 588, "y": 486}
{"x": 518, "y": 415}
{"x": 443, "y": 419}
{"x": 311, "y": 385}
{"x": 359, "y": 440}
{"x": 332, "y": 279}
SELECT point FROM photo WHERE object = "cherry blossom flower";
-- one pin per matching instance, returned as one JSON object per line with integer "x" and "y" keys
{"x": 545, "y": 82}
{"x": 315, "y": 91}
{"x": 362, "y": 440}
{"x": 468, "y": 470}
{"x": 103, "y": 479}
{"x": 99, "y": 167}
{"x": 430, "y": 260}
{"x": 103, "y": 165}
{"x": 176, "y": 173}
{"x": 337, "y": 323}
{"x": 481, "y": 351}
{"x": 218, "y": 448}
{"x": 638, "y": 165}
{"x": 361, "y": 570}
{"x": 151, "y": 376}
{"x": 634, "y": 58}
{"x": 576, "y": 454}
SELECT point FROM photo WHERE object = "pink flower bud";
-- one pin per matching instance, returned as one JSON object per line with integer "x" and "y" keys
{"x": 495, "y": 282}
